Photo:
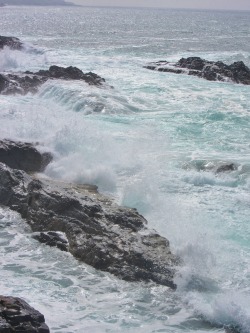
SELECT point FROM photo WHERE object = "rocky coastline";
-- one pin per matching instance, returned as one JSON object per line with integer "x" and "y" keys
{"x": 76, "y": 218}
{"x": 30, "y": 82}
{"x": 98, "y": 232}
{"x": 237, "y": 72}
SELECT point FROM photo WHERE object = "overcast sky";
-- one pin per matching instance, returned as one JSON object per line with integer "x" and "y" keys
{"x": 209, "y": 4}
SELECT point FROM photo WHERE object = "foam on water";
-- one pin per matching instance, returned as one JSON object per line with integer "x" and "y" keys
{"x": 20, "y": 60}
{"x": 148, "y": 142}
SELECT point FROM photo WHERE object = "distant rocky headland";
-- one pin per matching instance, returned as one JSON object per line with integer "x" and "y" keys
{"x": 237, "y": 72}
{"x": 37, "y": 3}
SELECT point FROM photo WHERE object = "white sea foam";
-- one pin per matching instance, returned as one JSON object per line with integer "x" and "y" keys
{"x": 21, "y": 60}
{"x": 133, "y": 141}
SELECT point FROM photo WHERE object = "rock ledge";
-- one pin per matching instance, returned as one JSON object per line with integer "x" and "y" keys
{"x": 95, "y": 230}
{"x": 237, "y": 72}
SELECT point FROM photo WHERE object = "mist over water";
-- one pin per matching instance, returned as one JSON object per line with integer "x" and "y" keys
{"x": 153, "y": 142}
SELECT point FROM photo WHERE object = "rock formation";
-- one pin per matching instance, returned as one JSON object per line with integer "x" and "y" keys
{"x": 237, "y": 72}
{"x": 11, "y": 42}
{"x": 23, "y": 156}
{"x": 99, "y": 232}
{"x": 30, "y": 82}
{"x": 17, "y": 316}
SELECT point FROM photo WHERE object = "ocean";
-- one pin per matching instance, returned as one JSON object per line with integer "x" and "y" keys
{"x": 153, "y": 143}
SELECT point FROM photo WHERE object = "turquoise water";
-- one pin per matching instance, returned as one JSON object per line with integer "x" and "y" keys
{"x": 152, "y": 143}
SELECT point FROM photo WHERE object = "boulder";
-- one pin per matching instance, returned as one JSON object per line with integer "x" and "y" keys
{"x": 237, "y": 72}
{"x": 11, "y": 42}
{"x": 99, "y": 232}
{"x": 18, "y": 316}
{"x": 23, "y": 156}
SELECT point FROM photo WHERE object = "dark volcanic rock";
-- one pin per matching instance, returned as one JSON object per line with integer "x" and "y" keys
{"x": 17, "y": 316}
{"x": 100, "y": 233}
{"x": 23, "y": 156}
{"x": 12, "y": 42}
{"x": 237, "y": 72}
{"x": 52, "y": 238}
{"x": 70, "y": 73}
{"x": 30, "y": 82}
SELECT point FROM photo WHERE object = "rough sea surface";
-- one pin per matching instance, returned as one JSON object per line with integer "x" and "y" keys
{"x": 153, "y": 142}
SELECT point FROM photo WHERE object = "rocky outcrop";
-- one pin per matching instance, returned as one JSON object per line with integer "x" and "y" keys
{"x": 17, "y": 316}
{"x": 11, "y": 42}
{"x": 237, "y": 72}
{"x": 29, "y": 82}
{"x": 99, "y": 232}
{"x": 23, "y": 156}
{"x": 70, "y": 73}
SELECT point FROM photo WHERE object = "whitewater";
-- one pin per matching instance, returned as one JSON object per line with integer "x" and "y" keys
{"x": 153, "y": 143}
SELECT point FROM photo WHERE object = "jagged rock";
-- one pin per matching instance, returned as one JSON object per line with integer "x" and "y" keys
{"x": 52, "y": 238}
{"x": 12, "y": 42}
{"x": 100, "y": 233}
{"x": 70, "y": 73}
{"x": 17, "y": 316}
{"x": 237, "y": 72}
{"x": 29, "y": 82}
{"x": 23, "y": 156}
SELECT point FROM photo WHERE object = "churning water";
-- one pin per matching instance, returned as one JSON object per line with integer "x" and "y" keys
{"x": 153, "y": 142}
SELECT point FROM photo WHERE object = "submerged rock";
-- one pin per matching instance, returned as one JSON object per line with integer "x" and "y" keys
{"x": 29, "y": 82}
{"x": 226, "y": 168}
{"x": 100, "y": 233}
{"x": 18, "y": 316}
{"x": 11, "y": 42}
{"x": 237, "y": 72}
{"x": 211, "y": 166}
{"x": 23, "y": 156}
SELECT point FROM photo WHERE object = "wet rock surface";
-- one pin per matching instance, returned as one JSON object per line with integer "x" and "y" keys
{"x": 99, "y": 232}
{"x": 23, "y": 156}
{"x": 17, "y": 316}
{"x": 70, "y": 73}
{"x": 237, "y": 72}
{"x": 52, "y": 238}
{"x": 30, "y": 82}
{"x": 216, "y": 167}
{"x": 11, "y": 42}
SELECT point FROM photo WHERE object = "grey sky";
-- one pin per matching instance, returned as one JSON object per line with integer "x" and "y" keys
{"x": 209, "y": 4}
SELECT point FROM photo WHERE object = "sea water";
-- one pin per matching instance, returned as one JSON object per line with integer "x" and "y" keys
{"x": 152, "y": 142}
